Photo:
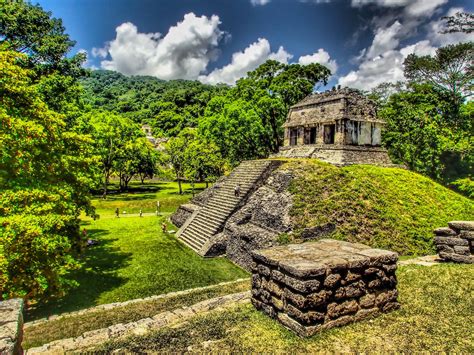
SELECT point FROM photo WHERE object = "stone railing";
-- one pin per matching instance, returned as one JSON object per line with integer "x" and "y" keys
{"x": 11, "y": 326}
{"x": 456, "y": 242}
{"x": 310, "y": 287}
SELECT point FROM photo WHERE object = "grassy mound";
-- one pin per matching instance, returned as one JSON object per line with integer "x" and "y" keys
{"x": 387, "y": 208}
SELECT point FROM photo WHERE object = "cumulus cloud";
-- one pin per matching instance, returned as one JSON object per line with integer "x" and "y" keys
{"x": 245, "y": 61}
{"x": 259, "y": 2}
{"x": 411, "y": 7}
{"x": 321, "y": 57}
{"x": 100, "y": 52}
{"x": 383, "y": 60}
{"x": 384, "y": 40}
{"x": 184, "y": 52}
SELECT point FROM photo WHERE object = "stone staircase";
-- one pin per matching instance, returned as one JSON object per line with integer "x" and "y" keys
{"x": 210, "y": 219}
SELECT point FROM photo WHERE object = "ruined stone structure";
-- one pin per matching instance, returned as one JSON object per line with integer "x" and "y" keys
{"x": 11, "y": 326}
{"x": 456, "y": 242}
{"x": 310, "y": 287}
{"x": 202, "y": 223}
{"x": 338, "y": 126}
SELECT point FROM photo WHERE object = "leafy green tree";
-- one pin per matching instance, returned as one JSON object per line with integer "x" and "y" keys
{"x": 137, "y": 157}
{"x": 246, "y": 122}
{"x": 419, "y": 135}
{"x": 112, "y": 135}
{"x": 176, "y": 149}
{"x": 451, "y": 69}
{"x": 45, "y": 176}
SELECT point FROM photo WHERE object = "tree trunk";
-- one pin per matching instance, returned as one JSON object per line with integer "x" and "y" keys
{"x": 106, "y": 182}
{"x": 179, "y": 183}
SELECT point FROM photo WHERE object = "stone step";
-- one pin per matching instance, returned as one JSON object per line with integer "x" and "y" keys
{"x": 203, "y": 232}
{"x": 199, "y": 235}
{"x": 210, "y": 223}
{"x": 190, "y": 242}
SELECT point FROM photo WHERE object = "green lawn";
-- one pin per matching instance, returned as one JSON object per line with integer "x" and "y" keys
{"x": 436, "y": 316}
{"x": 134, "y": 259}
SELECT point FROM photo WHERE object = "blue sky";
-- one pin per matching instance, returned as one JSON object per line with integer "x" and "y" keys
{"x": 363, "y": 42}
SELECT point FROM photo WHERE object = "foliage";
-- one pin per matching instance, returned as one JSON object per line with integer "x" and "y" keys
{"x": 423, "y": 134}
{"x": 168, "y": 106}
{"x": 247, "y": 121}
{"x": 433, "y": 318}
{"x": 459, "y": 22}
{"x": 386, "y": 208}
{"x": 45, "y": 175}
{"x": 450, "y": 69}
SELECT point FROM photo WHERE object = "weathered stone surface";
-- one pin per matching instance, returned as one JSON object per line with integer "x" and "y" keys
{"x": 11, "y": 326}
{"x": 462, "y": 225}
{"x": 182, "y": 214}
{"x": 325, "y": 284}
{"x": 458, "y": 247}
{"x": 444, "y": 232}
{"x": 451, "y": 241}
{"x": 468, "y": 259}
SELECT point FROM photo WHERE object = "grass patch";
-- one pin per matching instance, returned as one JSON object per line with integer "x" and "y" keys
{"x": 74, "y": 326}
{"x": 385, "y": 208}
{"x": 436, "y": 316}
{"x": 134, "y": 259}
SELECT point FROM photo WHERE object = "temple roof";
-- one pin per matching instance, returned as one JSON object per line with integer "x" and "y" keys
{"x": 331, "y": 95}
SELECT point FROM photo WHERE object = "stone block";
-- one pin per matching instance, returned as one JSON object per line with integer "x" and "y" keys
{"x": 315, "y": 286}
{"x": 451, "y": 241}
{"x": 468, "y": 259}
{"x": 462, "y": 225}
{"x": 462, "y": 250}
{"x": 445, "y": 232}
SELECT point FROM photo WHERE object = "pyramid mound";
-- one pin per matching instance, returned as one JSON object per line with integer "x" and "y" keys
{"x": 306, "y": 199}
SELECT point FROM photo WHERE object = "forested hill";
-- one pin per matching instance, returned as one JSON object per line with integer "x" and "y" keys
{"x": 168, "y": 105}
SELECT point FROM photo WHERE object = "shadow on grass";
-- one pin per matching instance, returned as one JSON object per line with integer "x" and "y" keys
{"x": 97, "y": 275}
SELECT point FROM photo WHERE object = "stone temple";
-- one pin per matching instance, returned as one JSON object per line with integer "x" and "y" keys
{"x": 338, "y": 126}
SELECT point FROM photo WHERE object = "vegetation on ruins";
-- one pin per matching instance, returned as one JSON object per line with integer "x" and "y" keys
{"x": 386, "y": 208}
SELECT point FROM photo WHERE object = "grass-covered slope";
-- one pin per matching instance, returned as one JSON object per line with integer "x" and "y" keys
{"x": 386, "y": 208}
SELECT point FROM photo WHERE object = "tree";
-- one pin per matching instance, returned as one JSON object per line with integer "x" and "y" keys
{"x": 176, "y": 154}
{"x": 112, "y": 134}
{"x": 135, "y": 157}
{"x": 45, "y": 176}
{"x": 246, "y": 122}
{"x": 459, "y": 22}
{"x": 419, "y": 135}
{"x": 28, "y": 29}
{"x": 450, "y": 69}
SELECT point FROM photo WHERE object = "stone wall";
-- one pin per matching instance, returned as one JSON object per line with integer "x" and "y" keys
{"x": 11, "y": 326}
{"x": 342, "y": 155}
{"x": 182, "y": 214}
{"x": 456, "y": 242}
{"x": 261, "y": 220}
{"x": 314, "y": 286}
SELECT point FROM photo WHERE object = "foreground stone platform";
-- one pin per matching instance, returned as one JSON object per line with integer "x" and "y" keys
{"x": 456, "y": 242}
{"x": 11, "y": 326}
{"x": 310, "y": 287}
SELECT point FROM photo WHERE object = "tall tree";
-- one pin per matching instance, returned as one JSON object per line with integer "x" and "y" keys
{"x": 45, "y": 176}
{"x": 450, "y": 69}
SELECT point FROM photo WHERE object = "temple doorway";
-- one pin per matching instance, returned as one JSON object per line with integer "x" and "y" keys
{"x": 329, "y": 132}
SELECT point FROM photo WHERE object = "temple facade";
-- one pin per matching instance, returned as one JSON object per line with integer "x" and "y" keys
{"x": 338, "y": 126}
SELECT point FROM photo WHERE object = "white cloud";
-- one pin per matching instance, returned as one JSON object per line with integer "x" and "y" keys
{"x": 245, "y": 61}
{"x": 443, "y": 39}
{"x": 385, "y": 39}
{"x": 99, "y": 52}
{"x": 184, "y": 52}
{"x": 321, "y": 57}
{"x": 386, "y": 67}
{"x": 259, "y": 2}
{"x": 411, "y": 7}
